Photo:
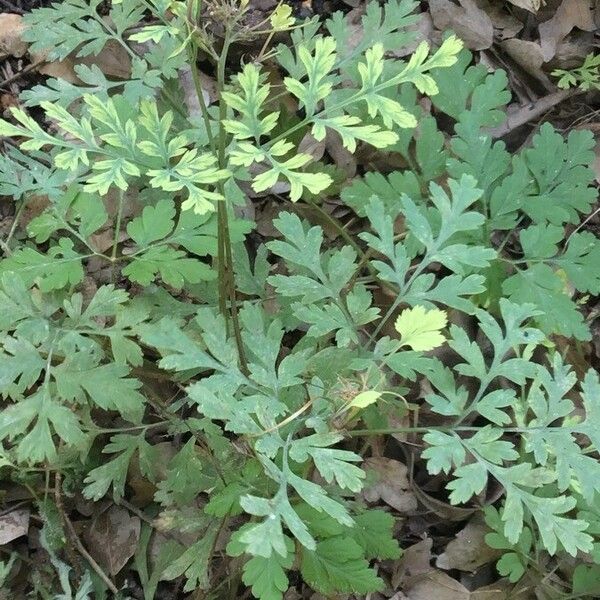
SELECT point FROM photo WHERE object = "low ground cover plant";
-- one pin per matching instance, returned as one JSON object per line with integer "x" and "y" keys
{"x": 138, "y": 308}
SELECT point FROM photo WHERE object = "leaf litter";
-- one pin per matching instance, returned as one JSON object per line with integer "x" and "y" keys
{"x": 494, "y": 31}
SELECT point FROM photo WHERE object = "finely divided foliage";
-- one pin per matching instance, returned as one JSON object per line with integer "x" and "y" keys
{"x": 137, "y": 272}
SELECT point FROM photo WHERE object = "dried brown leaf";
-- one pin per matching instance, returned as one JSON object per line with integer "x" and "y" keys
{"x": 13, "y": 525}
{"x": 342, "y": 157}
{"x": 309, "y": 145}
{"x": 11, "y": 30}
{"x": 34, "y": 207}
{"x": 528, "y": 55}
{"x": 190, "y": 97}
{"x": 571, "y": 52}
{"x": 113, "y": 60}
{"x": 416, "y": 560}
{"x": 468, "y": 21}
{"x": 570, "y": 14}
{"x": 443, "y": 510}
{"x": 530, "y": 5}
{"x": 390, "y": 484}
{"x": 436, "y": 585}
{"x": 468, "y": 550}
{"x": 501, "y": 590}
{"x": 505, "y": 24}
{"x": 113, "y": 538}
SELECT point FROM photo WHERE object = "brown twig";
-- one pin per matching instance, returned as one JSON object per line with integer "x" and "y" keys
{"x": 529, "y": 112}
{"x": 74, "y": 538}
{"x": 22, "y": 72}
{"x": 16, "y": 506}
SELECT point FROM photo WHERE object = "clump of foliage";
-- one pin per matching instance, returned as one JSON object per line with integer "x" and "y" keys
{"x": 269, "y": 404}
{"x": 586, "y": 77}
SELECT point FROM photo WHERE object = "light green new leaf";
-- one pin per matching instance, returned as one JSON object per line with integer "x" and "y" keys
{"x": 262, "y": 539}
{"x": 420, "y": 328}
{"x": 365, "y": 399}
{"x": 249, "y": 105}
{"x": 113, "y": 472}
{"x": 318, "y": 64}
{"x": 60, "y": 267}
{"x": 173, "y": 266}
{"x": 390, "y": 110}
{"x": 282, "y": 17}
{"x": 350, "y": 129}
{"x": 107, "y": 386}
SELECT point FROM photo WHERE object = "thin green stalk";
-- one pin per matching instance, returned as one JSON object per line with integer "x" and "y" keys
{"x": 447, "y": 429}
{"x": 113, "y": 254}
{"x": 221, "y": 261}
{"x": 114, "y": 34}
{"x": 338, "y": 227}
{"x": 99, "y": 430}
{"x": 193, "y": 57}
{"x": 422, "y": 266}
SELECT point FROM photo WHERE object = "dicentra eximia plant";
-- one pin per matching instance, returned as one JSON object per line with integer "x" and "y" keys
{"x": 269, "y": 403}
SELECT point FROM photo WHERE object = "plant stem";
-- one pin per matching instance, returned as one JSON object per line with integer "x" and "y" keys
{"x": 13, "y": 228}
{"x": 75, "y": 538}
{"x": 227, "y": 288}
{"x": 447, "y": 429}
{"x": 113, "y": 254}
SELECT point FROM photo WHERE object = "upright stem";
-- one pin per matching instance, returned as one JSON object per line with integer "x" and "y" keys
{"x": 226, "y": 257}
{"x": 227, "y": 290}
{"x": 223, "y": 224}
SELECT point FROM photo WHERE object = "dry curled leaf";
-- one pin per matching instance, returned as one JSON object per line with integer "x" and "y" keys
{"x": 445, "y": 511}
{"x": 59, "y": 69}
{"x": 190, "y": 97}
{"x": 113, "y": 60}
{"x": 309, "y": 145}
{"x": 341, "y": 156}
{"x": 506, "y": 25}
